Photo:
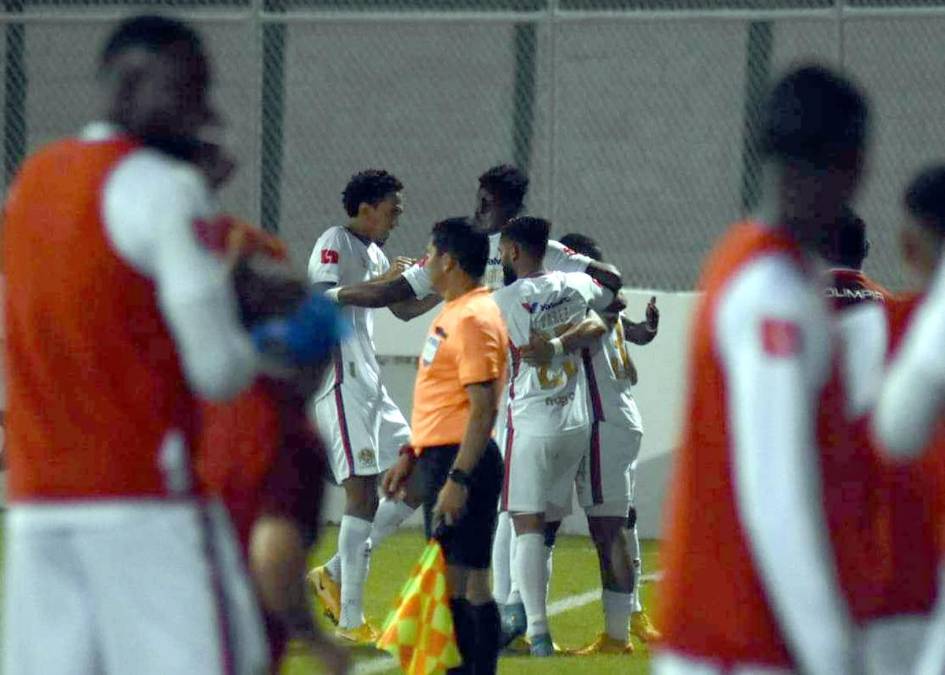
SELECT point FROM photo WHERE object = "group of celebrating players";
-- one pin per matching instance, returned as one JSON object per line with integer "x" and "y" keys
{"x": 167, "y": 375}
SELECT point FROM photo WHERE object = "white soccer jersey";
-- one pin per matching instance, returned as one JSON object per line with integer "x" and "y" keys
{"x": 550, "y": 399}
{"x": 558, "y": 257}
{"x": 607, "y": 367}
{"x": 341, "y": 258}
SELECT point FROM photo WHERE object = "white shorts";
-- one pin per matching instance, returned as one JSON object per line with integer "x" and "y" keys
{"x": 892, "y": 645}
{"x": 363, "y": 435}
{"x": 145, "y": 587}
{"x": 671, "y": 663}
{"x": 606, "y": 479}
{"x": 540, "y": 470}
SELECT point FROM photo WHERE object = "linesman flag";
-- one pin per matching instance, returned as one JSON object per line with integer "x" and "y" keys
{"x": 419, "y": 630}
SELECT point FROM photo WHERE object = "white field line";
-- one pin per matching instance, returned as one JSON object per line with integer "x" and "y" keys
{"x": 382, "y": 663}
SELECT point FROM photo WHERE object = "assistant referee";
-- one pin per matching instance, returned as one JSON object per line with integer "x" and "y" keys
{"x": 460, "y": 379}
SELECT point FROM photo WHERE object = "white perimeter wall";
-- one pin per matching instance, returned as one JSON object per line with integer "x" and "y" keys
{"x": 662, "y": 367}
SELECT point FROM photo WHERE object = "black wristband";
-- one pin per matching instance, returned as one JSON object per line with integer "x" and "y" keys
{"x": 459, "y": 476}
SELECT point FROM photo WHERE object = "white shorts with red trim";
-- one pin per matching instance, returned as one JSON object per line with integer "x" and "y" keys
{"x": 540, "y": 470}
{"x": 606, "y": 478}
{"x": 122, "y": 586}
{"x": 363, "y": 433}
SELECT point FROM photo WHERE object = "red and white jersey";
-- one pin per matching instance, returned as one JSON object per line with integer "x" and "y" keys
{"x": 767, "y": 553}
{"x": 846, "y": 286}
{"x": 550, "y": 399}
{"x": 558, "y": 257}
{"x": 116, "y": 315}
{"x": 342, "y": 258}
{"x": 608, "y": 379}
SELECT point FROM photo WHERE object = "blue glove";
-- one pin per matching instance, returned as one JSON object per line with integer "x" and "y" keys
{"x": 307, "y": 336}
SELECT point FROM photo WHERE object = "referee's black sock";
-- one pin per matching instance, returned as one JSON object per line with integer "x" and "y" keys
{"x": 488, "y": 632}
{"x": 464, "y": 623}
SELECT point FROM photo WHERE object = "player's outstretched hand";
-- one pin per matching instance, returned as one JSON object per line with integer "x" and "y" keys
{"x": 652, "y": 315}
{"x": 394, "y": 483}
{"x": 538, "y": 351}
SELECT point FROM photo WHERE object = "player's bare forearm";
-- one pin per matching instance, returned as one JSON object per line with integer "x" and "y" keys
{"x": 606, "y": 275}
{"x": 411, "y": 309}
{"x": 483, "y": 399}
{"x": 376, "y": 293}
{"x": 639, "y": 333}
{"x": 584, "y": 334}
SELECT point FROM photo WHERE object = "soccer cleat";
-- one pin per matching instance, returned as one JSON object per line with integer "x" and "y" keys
{"x": 643, "y": 628}
{"x": 519, "y": 645}
{"x": 541, "y": 645}
{"x": 514, "y": 623}
{"x": 604, "y": 644}
{"x": 328, "y": 592}
{"x": 363, "y": 635}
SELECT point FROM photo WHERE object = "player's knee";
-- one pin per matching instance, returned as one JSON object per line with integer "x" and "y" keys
{"x": 551, "y": 533}
{"x": 631, "y": 517}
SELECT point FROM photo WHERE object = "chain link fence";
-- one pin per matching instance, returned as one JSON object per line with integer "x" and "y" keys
{"x": 636, "y": 119}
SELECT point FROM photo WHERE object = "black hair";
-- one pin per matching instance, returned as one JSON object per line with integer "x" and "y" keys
{"x": 925, "y": 198}
{"x": 368, "y": 187}
{"x": 814, "y": 115}
{"x": 149, "y": 32}
{"x": 583, "y": 244}
{"x": 508, "y": 184}
{"x": 846, "y": 243}
{"x": 459, "y": 238}
{"x": 530, "y": 233}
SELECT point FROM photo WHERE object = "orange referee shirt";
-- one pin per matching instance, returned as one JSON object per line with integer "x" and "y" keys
{"x": 467, "y": 343}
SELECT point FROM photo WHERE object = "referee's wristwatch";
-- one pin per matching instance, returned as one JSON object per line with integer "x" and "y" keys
{"x": 459, "y": 476}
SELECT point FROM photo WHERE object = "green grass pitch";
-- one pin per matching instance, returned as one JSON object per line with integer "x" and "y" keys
{"x": 575, "y": 573}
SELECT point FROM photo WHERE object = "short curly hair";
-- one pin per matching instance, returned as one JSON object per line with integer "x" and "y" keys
{"x": 925, "y": 198}
{"x": 368, "y": 187}
{"x": 507, "y": 183}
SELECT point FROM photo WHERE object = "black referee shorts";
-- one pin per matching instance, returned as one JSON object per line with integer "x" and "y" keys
{"x": 468, "y": 542}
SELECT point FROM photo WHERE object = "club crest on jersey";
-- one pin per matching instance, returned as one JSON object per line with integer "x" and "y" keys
{"x": 330, "y": 257}
{"x": 530, "y": 307}
{"x": 365, "y": 456}
{"x": 780, "y": 337}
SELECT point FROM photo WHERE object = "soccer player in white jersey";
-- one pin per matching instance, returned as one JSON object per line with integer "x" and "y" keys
{"x": 363, "y": 427}
{"x": 548, "y": 421}
{"x": 606, "y": 479}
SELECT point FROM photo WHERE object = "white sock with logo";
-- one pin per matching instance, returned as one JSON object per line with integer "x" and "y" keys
{"x": 549, "y": 565}
{"x": 501, "y": 561}
{"x": 530, "y": 571}
{"x": 353, "y": 550}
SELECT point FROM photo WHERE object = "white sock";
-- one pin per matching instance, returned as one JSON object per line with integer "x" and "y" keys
{"x": 334, "y": 567}
{"x": 530, "y": 573}
{"x": 617, "y": 614}
{"x": 390, "y": 514}
{"x": 549, "y": 565}
{"x": 515, "y": 598}
{"x": 501, "y": 560}
{"x": 353, "y": 550}
{"x": 637, "y": 568}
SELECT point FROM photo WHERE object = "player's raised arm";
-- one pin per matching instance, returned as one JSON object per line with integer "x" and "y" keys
{"x": 914, "y": 389}
{"x": 560, "y": 258}
{"x": 768, "y": 348}
{"x": 643, "y": 332}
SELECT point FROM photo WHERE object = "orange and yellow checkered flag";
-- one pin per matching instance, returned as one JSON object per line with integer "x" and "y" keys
{"x": 419, "y": 630}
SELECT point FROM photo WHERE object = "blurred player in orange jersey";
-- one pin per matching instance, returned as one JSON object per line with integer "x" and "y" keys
{"x": 259, "y": 452}
{"x": 899, "y": 639}
{"x": 118, "y": 318}
{"x": 764, "y": 560}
